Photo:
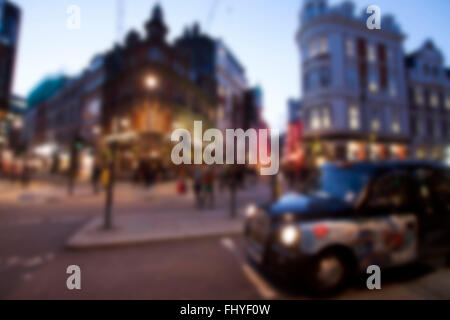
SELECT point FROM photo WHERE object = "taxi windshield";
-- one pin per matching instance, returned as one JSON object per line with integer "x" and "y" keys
{"x": 345, "y": 184}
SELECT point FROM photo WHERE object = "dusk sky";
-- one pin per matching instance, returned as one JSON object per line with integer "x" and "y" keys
{"x": 259, "y": 32}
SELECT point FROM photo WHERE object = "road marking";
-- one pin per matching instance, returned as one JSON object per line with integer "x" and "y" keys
{"x": 263, "y": 287}
{"x": 266, "y": 291}
{"x": 32, "y": 262}
{"x": 228, "y": 244}
{"x": 12, "y": 261}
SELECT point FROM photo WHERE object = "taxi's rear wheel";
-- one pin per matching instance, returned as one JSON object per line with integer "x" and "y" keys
{"x": 329, "y": 273}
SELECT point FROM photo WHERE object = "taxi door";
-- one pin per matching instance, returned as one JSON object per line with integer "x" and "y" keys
{"x": 433, "y": 192}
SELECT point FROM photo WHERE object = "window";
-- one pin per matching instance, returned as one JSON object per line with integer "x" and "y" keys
{"x": 396, "y": 128}
{"x": 343, "y": 183}
{"x": 395, "y": 124}
{"x": 391, "y": 190}
{"x": 350, "y": 48}
{"x": 390, "y": 56}
{"x": 315, "y": 119}
{"x": 393, "y": 87}
{"x": 323, "y": 45}
{"x": 430, "y": 127}
{"x": 315, "y": 79}
{"x": 444, "y": 129}
{"x": 434, "y": 100}
{"x": 373, "y": 85}
{"x": 371, "y": 53}
{"x": 326, "y": 118}
{"x": 318, "y": 46}
{"x": 353, "y": 117}
{"x": 324, "y": 77}
{"x": 320, "y": 118}
{"x": 433, "y": 189}
{"x": 375, "y": 125}
{"x": 352, "y": 77}
{"x": 418, "y": 96}
{"x": 437, "y": 130}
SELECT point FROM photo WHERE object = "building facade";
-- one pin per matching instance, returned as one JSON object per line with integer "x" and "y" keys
{"x": 216, "y": 70}
{"x": 137, "y": 93}
{"x": 61, "y": 112}
{"x": 429, "y": 103}
{"x": 149, "y": 92}
{"x": 294, "y": 153}
{"x": 9, "y": 36}
{"x": 354, "y": 89}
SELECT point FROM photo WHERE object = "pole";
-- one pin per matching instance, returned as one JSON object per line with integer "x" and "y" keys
{"x": 233, "y": 186}
{"x": 233, "y": 180}
{"x": 73, "y": 167}
{"x": 110, "y": 189}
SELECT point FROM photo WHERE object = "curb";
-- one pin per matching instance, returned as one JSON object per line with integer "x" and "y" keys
{"x": 75, "y": 245}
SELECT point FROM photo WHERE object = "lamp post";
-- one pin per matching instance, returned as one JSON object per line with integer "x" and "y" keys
{"x": 151, "y": 82}
{"x": 110, "y": 188}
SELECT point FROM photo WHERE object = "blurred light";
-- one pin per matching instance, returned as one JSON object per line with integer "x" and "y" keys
{"x": 45, "y": 150}
{"x": 154, "y": 154}
{"x": 290, "y": 235}
{"x": 321, "y": 161}
{"x": 125, "y": 123}
{"x": 96, "y": 130}
{"x": 151, "y": 82}
{"x": 251, "y": 211}
{"x": 18, "y": 123}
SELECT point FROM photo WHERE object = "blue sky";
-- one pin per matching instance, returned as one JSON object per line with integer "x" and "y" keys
{"x": 260, "y": 32}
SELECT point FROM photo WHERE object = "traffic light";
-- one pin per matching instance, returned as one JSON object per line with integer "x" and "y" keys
{"x": 79, "y": 143}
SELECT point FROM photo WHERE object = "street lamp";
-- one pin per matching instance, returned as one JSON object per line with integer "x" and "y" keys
{"x": 151, "y": 82}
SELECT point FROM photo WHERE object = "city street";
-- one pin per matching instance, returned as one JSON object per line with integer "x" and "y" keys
{"x": 33, "y": 259}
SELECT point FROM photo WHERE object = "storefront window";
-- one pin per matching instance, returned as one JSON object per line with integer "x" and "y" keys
{"x": 353, "y": 116}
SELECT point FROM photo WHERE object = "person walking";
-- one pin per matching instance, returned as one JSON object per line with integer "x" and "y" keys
{"x": 208, "y": 185}
{"x": 95, "y": 179}
{"x": 198, "y": 188}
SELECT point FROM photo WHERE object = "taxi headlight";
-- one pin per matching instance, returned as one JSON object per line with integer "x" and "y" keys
{"x": 251, "y": 211}
{"x": 289, "y": 235}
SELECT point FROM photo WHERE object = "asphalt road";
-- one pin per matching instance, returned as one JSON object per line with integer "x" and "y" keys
{"x": 33, "y": 264}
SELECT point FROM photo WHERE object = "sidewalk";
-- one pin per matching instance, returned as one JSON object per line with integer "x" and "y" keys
{"x": 174, "y": 224}
{"x": 134, "y": 229}
{"x": 38, "y": 192}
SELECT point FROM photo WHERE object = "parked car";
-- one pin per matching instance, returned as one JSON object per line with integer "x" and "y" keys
{"x": 353, "y": 216}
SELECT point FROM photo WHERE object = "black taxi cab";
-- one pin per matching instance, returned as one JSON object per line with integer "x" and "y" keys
{"x": 351, "y": 217}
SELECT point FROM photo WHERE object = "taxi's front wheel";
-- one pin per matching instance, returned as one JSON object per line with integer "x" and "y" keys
{"x": 328, "y": 273}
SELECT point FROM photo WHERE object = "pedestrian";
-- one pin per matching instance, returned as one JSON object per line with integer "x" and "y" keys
{"x": 198, "y": 188}
{"x": 181, "y": 184}
{"x": 208, "y": 185}
{"x": 95, "y": 178}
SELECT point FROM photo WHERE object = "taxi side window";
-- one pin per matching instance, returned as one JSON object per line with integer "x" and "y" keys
{"x": 391, "y": 190}
{"x": 424, "y": 179}
{"x": 434, "y": 190}
{"x": 441, "y": 186}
